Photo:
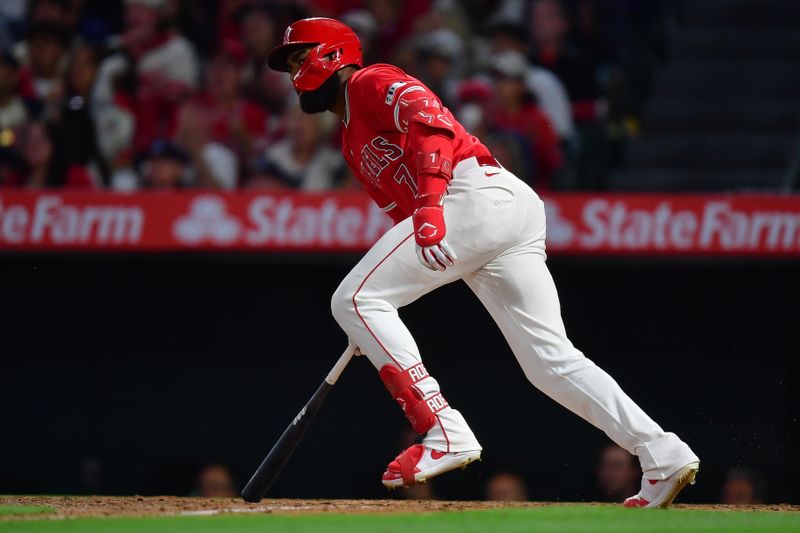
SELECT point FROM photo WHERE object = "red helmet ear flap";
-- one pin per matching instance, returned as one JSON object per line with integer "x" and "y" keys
{"x": 320, "y": 64}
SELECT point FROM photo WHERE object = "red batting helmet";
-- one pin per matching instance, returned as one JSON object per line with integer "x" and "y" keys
{"x": 334, "y": 46}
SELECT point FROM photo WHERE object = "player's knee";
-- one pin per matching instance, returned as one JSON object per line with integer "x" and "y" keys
{"x": 557, "y": 363}
{"x": 342, "y": 304}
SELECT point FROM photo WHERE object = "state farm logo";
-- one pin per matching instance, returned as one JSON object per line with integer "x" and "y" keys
{"x": 281, "y": 221}
{"x": 560, "y": 231}
{"x": 54, "y": 220}
{"x": 208, "y": 221}
{"x": 699, "y": 226}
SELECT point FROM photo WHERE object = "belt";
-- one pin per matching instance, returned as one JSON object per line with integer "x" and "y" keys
{"x": 475, "y": 162}
{"x": 487, "y": 161}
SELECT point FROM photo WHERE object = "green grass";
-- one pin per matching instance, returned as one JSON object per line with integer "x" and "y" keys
{"x": 556, "y": 519}
{"x": 24, "y": 509}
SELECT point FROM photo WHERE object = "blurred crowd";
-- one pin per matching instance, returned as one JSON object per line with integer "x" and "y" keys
{"x": 167, "y": 94}
{"x": 617, "y": 476}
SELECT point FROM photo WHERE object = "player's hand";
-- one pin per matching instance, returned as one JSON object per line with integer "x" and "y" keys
{"x": 437, "y": 257}
{"x": 429, "y": 231}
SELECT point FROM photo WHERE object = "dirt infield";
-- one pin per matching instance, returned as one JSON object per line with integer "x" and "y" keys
{"x": 112, "y": 506}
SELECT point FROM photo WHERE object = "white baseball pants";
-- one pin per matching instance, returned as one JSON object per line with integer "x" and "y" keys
{"x": 496, "y": 226}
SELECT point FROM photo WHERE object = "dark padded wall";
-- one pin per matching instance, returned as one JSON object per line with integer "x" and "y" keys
{"x": 124, "y": 374}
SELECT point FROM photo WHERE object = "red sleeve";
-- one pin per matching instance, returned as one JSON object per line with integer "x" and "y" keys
{"x": 387, "y": 206}
{"x": 391, "y": 100}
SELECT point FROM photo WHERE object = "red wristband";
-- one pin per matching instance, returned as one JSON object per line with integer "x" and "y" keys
{"x": 431, "y": 190}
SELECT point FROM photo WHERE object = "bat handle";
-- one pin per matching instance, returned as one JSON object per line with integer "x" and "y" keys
{"x": 340, "y": 365}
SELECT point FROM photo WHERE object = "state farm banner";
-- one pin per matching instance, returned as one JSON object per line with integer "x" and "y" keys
{"x": 624, "y": 224}
{"x": 189, "y": 221}
{"x": 604, "y": 224}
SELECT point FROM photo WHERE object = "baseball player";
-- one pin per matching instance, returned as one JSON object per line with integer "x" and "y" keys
{"x": 459, "y": 215}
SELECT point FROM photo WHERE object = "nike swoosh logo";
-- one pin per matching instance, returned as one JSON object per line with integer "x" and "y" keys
{"x": 436, "y": 454}
{"x": 490, "y": 174}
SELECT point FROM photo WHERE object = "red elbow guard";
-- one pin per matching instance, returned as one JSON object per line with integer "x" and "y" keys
{"x": 434, "y": 169}
{"x": 435, "y": 156}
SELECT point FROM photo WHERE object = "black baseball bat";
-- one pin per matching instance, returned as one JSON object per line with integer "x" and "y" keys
{"x": 278, "y": 456}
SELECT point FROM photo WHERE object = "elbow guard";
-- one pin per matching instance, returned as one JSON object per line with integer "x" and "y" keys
{"x": 416, "y": 106}
{"x": 435, "y": 156}
{"x": 421, "y": 115}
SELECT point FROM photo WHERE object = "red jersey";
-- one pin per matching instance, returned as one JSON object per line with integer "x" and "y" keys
{"x": 375, "y": 138}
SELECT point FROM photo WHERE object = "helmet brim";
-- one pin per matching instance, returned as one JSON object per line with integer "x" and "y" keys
{"x": 279, "y": 57}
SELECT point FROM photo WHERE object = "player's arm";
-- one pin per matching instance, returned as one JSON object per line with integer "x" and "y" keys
{"x": 430, "y": 133}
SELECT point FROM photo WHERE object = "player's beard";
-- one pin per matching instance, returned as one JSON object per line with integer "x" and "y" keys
{"x": 322, "y": 99}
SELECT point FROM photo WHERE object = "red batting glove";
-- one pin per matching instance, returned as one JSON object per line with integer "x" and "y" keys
{"x": 429, "y": 231}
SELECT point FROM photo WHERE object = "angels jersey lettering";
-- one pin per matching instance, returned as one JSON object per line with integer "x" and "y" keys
{"x": 379, "y": 101}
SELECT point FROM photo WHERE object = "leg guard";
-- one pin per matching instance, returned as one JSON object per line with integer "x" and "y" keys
{"x": 420, "y": 412}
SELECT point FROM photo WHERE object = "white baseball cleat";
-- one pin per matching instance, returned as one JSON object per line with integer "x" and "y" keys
{"x": 660, "y": 493}
{"x": 418, "y": 464}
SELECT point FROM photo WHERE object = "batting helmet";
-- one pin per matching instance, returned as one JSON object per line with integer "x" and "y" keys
{"x": 334, "y": 46}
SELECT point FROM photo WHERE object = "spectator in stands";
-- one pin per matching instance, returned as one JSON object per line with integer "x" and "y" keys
{"x": 618, "y": 474}
{"x": 62, "y": 13}
{"x": 589, "y": 34}
{"x": 438, "y": 58}
{"x": 262, "y": 85}
{"x": 200, "y": 23}
{"x": 228, "y": 17}
{"x": 743, "y": 487}
{"x": 332, "y": 8}
{"x": 111, "y": 115}
{"x": 216, "y": 481}
{"x": 549, "y": 26}
{"x": 142, "y": 84}
{"x": 550, "y": 92}
{"x": 166, "y": 166}
{"x": 264, "y": 175}
{"x": 304, "y": 160}
{"x": 77, "y": 118}
{"x": 12, "y": 20}
{"x": 13, "y": 167}
{"x": 511, "y": 149}
{"x": 165, "y": 65}
{"x": 42, "y": 76}
{"x": 13, "y": 112}
{"x": 98, "y": 21}
{"x": 363, "y": 23}
{"x": 259, "y": 31}
{"x": 506, "y": 487}
{"x": 395, "y": 22}
{"x": 46, "y": 162}
{"x": 515, "y": 109}
{"x": 213, "y": 165}
{"x": 448, "y": 15}
{"x": 234, "y": 122}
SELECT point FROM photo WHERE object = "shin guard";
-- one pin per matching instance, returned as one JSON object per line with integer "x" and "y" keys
{"x": 420, "y": 412}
